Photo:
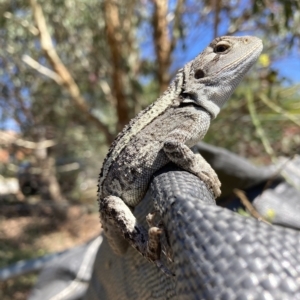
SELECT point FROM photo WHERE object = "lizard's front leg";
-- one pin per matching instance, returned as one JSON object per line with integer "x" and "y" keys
{"x": 116, "y": 218}
{"x": 179, "y": 153}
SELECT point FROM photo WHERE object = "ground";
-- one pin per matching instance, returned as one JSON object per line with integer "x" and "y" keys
{"x": 33, "y": 236}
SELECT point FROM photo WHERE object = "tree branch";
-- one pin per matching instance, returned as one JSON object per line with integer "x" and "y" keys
{"x": 34, "y": 145}
{"x": 8, "y": 139}
{"x": 245, "y": 201}
{"x": 41, "y": 69}
{"x": 114, "y": 39}
{"x": 66, "y": 78}
{"x": 162, "y": 42}
{"x": 217, "y": 4}
{"x": 177, "y": 24}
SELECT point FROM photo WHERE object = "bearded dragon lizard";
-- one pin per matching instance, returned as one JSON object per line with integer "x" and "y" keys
{"x": 163, "y": 133}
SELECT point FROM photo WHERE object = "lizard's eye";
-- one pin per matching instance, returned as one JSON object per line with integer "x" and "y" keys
{"x": 221, "y": 48}
{"x": 199, "y": 74}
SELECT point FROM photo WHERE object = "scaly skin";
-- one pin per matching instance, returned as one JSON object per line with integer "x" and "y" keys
{"x": 164, "y": 132}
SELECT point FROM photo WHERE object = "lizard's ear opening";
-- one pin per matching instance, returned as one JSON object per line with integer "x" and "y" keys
{"x": 186, "y": 99}
{"x": 199, "y": 74}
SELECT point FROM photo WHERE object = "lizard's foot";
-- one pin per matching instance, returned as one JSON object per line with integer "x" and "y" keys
{"x": 208, "y": 175}
{"x": 160, "y": 227}
{"x": 183, "y": 156}
{"x": 154, "y": 234}
{"x": 117, "y": 215}
{"x": 114, "y": 213}
{"x": 154, "y": 243}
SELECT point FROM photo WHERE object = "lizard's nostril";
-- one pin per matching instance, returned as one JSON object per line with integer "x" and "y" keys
{"x": 246, "y": 41}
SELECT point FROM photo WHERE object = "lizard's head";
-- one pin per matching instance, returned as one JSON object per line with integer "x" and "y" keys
{"x": 210, "y": 79}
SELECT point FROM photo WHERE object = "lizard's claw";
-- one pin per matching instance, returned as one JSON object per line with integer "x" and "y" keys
{"x": 212, "y": 181}
{"x": 154, "y": 244}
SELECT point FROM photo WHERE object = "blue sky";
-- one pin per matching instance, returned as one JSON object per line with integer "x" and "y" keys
{"x": 289, "y": 67}
{"x": 197, "y": 39}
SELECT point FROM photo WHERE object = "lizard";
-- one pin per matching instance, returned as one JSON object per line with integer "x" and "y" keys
{"x": 164, "y": 132}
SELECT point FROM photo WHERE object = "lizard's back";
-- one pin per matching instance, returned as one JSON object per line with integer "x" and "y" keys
{"x": 129, "y": 174}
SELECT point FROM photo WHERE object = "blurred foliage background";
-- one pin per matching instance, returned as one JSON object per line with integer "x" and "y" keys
{"x": 74, "y": 72}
